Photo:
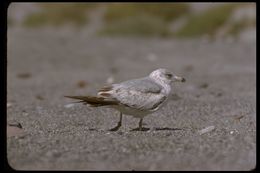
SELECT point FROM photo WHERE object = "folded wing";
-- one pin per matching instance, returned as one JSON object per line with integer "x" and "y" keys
{"x": 142, "y": 94}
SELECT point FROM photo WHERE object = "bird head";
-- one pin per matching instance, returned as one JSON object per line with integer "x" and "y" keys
{"x": 165, "y": 76}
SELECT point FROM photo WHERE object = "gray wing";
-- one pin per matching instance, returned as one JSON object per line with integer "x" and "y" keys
{"x": 142, "y": 94}
{"x": 143, "y": 85}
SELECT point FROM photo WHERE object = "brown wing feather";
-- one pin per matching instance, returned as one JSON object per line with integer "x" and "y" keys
{"x": 105, "y": 89}
{"x": 93, "y": 101}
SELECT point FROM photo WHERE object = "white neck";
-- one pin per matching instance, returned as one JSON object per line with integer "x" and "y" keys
{"x": 166, "y": 86}
{"x": 156, "y": 77}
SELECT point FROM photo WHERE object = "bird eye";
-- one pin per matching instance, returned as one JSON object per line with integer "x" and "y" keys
{"x": 168, "y": 75}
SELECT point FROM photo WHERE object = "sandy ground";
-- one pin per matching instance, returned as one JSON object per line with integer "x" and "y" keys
{"x": 220, "y": 91}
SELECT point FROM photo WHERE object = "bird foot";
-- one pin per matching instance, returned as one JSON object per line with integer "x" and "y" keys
{"x": 142, "y": 129}
{"x": 114, "y": 128}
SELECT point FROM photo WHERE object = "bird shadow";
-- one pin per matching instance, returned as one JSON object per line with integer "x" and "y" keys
{"x": 144, "y": 129}
{"x": 168, "y": 128}
{"x": 156, "y": 129}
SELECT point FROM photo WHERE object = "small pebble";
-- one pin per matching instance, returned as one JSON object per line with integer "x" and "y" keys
{"x": 219, "y": 94}
{"x": 69, "y": 105}
{"x": 233, "y": 131}
{"x": 81, "y": 84}
{"x": 24, "y": 113}
{"x": 204, "y": 85}
{"x": 24, "y": 75}
{"x": 124, "y": 150}
{"x": 39, "y": 97}
{"x": 9, "y": 105}
{"x": 206, "y": 130}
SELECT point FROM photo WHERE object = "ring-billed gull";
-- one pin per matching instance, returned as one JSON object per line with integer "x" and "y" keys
{"x": 136, "y": 97}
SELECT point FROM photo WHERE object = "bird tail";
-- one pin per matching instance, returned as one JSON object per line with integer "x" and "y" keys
{"x": 93, "y": 101}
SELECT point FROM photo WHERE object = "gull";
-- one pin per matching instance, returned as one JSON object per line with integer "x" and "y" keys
{"x": 137, "y": 97}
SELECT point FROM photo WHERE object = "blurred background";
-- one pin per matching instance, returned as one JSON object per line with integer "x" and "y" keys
{"x": 57, "y": 49}
{"x": 166, "y": 20}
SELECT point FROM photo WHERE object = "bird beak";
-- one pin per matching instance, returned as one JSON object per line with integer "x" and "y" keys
{"x": 178, "y": 79}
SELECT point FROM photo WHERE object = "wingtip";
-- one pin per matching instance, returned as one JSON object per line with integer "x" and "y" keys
{"x": 72, "y": 97}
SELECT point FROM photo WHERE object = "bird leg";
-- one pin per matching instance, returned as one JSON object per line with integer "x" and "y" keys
{"x": 118, "y": 124}
{"x": 140, "y": 127}
{"x": 140, "y": 124}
